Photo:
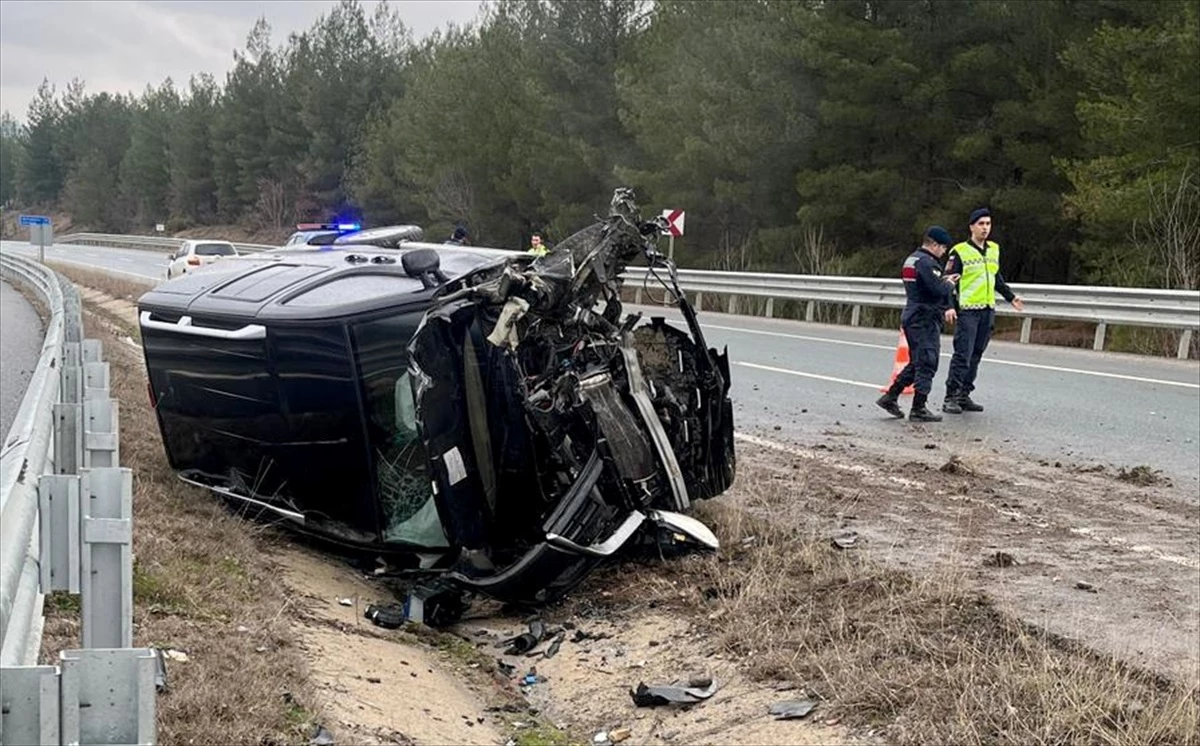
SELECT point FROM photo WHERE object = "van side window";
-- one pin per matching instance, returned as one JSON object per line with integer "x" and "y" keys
{"x": 401, "y": 472}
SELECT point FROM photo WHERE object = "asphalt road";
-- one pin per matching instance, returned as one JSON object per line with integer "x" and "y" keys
{"x": 136, "y": 263}
{"x": 21, "y": 337}
{"x": 808, "y": 381}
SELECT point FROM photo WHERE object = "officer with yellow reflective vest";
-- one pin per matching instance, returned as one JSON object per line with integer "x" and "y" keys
{"x": 977, "y": 261}
{"x": 538, "y": 247}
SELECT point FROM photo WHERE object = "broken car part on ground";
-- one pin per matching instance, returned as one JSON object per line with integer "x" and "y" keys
{"x": 490, "y": 420}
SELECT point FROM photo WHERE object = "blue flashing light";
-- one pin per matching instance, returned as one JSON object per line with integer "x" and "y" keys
{"x": 348, "y": 226}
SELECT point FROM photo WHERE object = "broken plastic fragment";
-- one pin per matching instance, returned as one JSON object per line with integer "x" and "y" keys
{"x": 554, "y": 646}
{"x": 346, "y": 601}
{"x": 390, "y": 616}
{"x": 793, "y": 708}
{"x": 845, "y": 540}
{"x": 322, "y": 737}
{"x": 160, "y": 671}
{"x": 527, "y": 641}
{"x": 678, "y": 693}
{"x": 176, "y": 655}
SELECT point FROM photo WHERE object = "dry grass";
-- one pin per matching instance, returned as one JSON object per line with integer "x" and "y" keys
{"x": 927, "y": 659}
{"x": 116, "y": 287}
{"x": 200, "y": 574}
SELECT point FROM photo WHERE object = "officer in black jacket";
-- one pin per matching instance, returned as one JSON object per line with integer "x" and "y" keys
{"x": 928, "y": 298}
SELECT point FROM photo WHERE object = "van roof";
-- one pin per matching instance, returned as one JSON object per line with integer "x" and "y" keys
{"x": 308, "y": 282}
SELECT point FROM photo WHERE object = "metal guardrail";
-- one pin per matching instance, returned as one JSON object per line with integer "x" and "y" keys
{"x": 66, "y": 524}
{"x": 1102, "y": 306}
{"x": 149, "y": 243}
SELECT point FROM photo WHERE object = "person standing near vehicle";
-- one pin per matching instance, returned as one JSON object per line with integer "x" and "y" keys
{"x": 459, "y": 237}
{"x": 928, "y": 302}
{"x": 537, "y": 247}
{"x": 977, "y": 261}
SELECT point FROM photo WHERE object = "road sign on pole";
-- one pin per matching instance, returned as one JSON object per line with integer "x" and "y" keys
{"x": 40, "y": 233}
{"x": 674, "y": 228}
{"x": 674, "y": 222}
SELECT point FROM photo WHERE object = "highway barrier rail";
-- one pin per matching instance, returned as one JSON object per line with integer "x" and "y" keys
{"x": 66, "y": 524}
{"x": 1103, "y": 306}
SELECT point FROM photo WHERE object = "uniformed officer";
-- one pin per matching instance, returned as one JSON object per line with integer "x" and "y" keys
{"x": 978, "y": 262}
{"x": 928, "y": 301}
{"x": 537, "y": 246}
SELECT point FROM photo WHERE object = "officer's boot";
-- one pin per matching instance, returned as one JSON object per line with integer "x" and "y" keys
{"x": 919, "y": 413}
{"x": 888, "y": 402}
{"x": 964, "y": 401}
{"x": 951, "y": 404}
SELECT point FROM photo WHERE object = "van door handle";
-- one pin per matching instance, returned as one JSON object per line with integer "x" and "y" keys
{"x": 184, "y": 326}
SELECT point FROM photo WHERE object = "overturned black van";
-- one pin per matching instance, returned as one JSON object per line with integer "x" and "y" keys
{"x": 491, "y": 417}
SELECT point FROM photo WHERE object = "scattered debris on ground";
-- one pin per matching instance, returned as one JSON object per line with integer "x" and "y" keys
{"x": 1142, "y": 476}
{"x": 1000, "y": 559}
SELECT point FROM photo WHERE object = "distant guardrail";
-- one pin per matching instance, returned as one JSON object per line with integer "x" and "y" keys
{"x": 1103, "y": 306}
{"x": 149, "y": 243}
{"x": 66, "y": 524}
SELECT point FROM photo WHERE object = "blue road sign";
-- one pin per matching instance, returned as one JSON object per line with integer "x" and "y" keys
{"x": 35, "y": 220}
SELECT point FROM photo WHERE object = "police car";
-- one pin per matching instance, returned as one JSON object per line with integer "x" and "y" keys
{"x": 305, "y": 232}
{"x": 327, "y": 234}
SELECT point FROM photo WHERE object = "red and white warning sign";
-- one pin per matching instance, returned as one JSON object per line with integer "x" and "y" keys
{"x": 674, "y": 222}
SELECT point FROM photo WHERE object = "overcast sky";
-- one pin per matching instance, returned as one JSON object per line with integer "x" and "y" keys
{"x": 121, "y": 45}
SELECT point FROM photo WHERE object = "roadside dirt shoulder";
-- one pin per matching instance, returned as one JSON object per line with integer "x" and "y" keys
{"x": 1109, "y": 559}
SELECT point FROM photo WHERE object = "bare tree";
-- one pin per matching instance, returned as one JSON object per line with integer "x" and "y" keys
{"x": 273, "y": 207}
{"x": 814, "y": 255}
{"x": 1171, "y": 229}
{"x": 452, "y": 197}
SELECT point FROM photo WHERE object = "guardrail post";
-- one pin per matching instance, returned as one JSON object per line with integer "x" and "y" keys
{"x": 637, "y": 295}
{"x": 855, "y": 315}
{"x": 1026, "y": 329}
{"x": 58, "y": 506}
{"x": 699, "y": 301}
{"x": 29, "y": 705}
{"x": 93, "y": 351}
{"x": 810, "y": 310}
{"x": 1101, "y": 328}
{"x": 101, "y": 442}
{"x": 95, "y": 380}
{"x": 732, "y": 304}
{"x": 1185, "y": 344}
{"x": 108, "y": 696}
{"x": 107, "y": 566}
{"x": 770, "y": 307}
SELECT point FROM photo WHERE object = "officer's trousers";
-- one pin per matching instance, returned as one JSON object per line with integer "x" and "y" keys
{"x": 971, "y": 336}
{"x": 922, "y": 329}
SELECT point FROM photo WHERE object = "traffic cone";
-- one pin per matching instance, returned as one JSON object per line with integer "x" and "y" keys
{"x": 901, "y": 361}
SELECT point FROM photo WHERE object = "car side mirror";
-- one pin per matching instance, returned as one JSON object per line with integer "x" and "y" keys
{"x": 424, "y": 265}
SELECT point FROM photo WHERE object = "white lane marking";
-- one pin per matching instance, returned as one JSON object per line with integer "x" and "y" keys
{"x": 1139, "y": 379}
{"x": 990, "y": 360}
{"x": 789, "y": 372}
{"x": 804, "y": 337}
{"x": 1112, "y": 541}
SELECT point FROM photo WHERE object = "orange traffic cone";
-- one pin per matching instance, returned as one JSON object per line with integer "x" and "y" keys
{"x": 901, "y": 361}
